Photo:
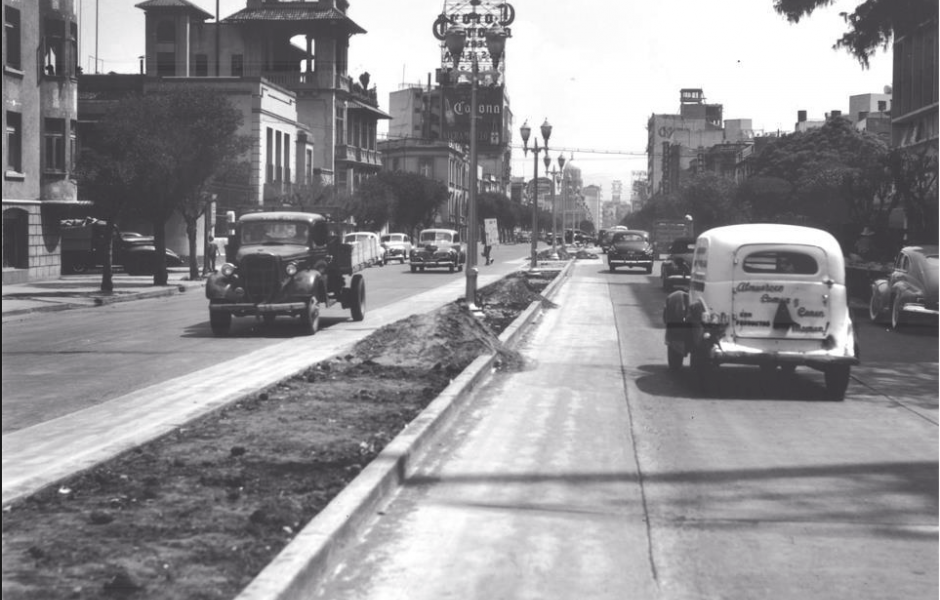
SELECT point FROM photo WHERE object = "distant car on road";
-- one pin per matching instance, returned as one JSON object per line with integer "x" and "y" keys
{"x": 397, "y": 247}
{"x": 676, "y": 270}
{"x": 909, "y": 294}
{"x": 630, "y": 248}
{"x": 438, "y": 248}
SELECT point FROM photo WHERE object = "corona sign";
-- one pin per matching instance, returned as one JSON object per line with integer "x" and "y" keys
{"x": 475, "y": 16}
{"x": 456, "y": 125}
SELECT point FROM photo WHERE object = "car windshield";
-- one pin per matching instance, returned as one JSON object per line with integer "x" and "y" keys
{"x": 628, "y": 237}
{"x": 436, "y": 236}
{"x": 274, "y": 232}
{"x": 356, "y": 237}
{"x": 393, "y": 238}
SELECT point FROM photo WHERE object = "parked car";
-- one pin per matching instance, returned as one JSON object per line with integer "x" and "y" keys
{"x": 397, "y": 247}
{"x": 438, "y": 248}
{"x": 367, "y": 246}
{"x": 676, "y": 270}
{"x": 767, "y": 295}
{"x": 285, "y": 263}
{"x": 84, "y": 246}
{"x": 909, "y": 295}
{"x": 630, "y": 248}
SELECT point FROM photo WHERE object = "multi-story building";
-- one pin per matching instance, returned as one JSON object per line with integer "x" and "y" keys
{"x": 914, "y": 112}
{"x": 445, "y": 161}
{"x": 312, "y": 126}
{"x": 428, "y": 113}
{"x": 592, "y": 200}
{"x": 40, "y": 88}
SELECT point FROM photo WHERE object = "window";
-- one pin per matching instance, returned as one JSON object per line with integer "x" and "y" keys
{"x": 882, "y": 105}
{"x": 73, "y": 144}
{"x": 238, "y": 65}
{"x": 308, "y": 178}
{"x": 11, "y": 32}
{"x": 14, "y": 142}
{"x": 287, "y": 157}
{"x": 202, "y": 65}
{"x": 269, "y": 156}
{"x": 73, "y": 48}
{"x": 54, "y": 145}
{"x": 780, "y": 262}
{"x": 54, "y": 47}
{"x": 340, "y": 126}
{"x": 277, "y": 156}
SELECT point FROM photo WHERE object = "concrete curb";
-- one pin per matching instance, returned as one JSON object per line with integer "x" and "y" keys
{"x": 104, "y": 300}
{"x": 314, "y": 550}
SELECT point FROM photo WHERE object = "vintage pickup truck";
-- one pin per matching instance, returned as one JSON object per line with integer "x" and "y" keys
{"x": 285, "y": 263}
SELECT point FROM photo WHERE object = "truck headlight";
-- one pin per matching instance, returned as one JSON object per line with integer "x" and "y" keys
{"x": 227, "y": 270}
{"x": 291, "y": 269}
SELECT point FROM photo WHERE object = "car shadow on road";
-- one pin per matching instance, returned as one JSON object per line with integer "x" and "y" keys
{"x": 281, "y": 328}
{"x": 732, "y": 382}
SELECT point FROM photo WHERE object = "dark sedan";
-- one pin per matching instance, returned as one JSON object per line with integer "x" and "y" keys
{"x": 630, "y": 248}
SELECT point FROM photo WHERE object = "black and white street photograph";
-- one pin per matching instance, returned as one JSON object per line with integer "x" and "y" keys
{"x": 471, "y": 300}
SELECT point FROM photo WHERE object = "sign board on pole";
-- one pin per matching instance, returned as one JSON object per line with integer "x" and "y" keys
{"x": 492, "y": 232}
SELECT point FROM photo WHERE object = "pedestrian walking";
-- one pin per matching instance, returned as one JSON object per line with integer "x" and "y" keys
{"x": 212, "y": 252}
{"x": 487, "y": 248}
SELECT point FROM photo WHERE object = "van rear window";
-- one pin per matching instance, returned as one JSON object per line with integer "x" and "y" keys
{"x": 780, "y": 262}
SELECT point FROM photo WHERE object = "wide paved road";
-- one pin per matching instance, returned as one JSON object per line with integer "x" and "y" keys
{"x": 61, "y": 362}
{"x": 599, "y": 474}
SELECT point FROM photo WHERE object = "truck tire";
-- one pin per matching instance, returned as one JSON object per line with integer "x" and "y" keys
{"x": 674, "y": 358}
{"x": 358, "y": 297}
{"x": 221, "y": 322}
{"x": 310, "y": 319}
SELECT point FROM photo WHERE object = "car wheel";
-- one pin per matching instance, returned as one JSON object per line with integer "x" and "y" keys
{"x": 897, "y": 315}
{"x": 358, "y": 290}
{"x": 79, "y": 266}
{"x": 837, "y": 381}
{"x": 675, "y": 358}
{"x": 875, "y": 310}
{"x": 649, "y": 268}
{"x": 221, "y": 322}
{"x": 310, "y": 319}
{"x": 450, "y": 268}
{"x": 414, "y": 269}
{"x": 611, "y": 267}
{"x": 788, "y": 369}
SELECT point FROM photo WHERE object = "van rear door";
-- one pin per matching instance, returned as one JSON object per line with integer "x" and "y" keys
{"x": 781, "y": 292}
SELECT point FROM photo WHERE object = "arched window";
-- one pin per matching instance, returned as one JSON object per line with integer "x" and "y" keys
{"x": 166, "y": 31}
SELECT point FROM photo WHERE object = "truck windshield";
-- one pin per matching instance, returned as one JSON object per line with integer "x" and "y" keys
{"x": 274, "y": 232}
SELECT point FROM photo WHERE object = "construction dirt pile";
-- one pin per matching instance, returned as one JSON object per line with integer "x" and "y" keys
{"x": 200, "y": 512}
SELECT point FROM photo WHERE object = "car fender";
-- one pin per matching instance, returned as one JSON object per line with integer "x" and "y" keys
{"x": 218, "y": 286}
{"x": 307, "y": 283}
{"x": 880, "y": 295}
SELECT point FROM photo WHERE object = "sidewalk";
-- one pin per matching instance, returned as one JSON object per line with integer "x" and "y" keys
{"x": 77, "y": 291}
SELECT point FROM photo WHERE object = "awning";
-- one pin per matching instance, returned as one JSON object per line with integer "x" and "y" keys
{"x": 356, "y": 104}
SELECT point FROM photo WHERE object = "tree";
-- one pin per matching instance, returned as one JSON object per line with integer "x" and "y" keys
{"x": 108, "y": 180}
{"x": 871, "y": 25}
{"x": 172, "y": 142}
{"x": 417, "y": 200}
{"x": 371, "y": 206}
{"x": 913, "y": 177}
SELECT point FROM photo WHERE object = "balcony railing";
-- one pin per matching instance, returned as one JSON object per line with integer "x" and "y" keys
{"x": 325, "y": 80}
{"x": 355, "y": 154}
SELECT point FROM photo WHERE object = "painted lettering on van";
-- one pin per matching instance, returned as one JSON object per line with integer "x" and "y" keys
{"x": 805, "y": 312}
{"x": 747, "y": 286}
{"x": 768, "y": 299}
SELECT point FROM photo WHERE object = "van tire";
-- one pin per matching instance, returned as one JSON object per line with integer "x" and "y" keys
{"x": 837, "y": 381}
{"x": 675, "y": 359}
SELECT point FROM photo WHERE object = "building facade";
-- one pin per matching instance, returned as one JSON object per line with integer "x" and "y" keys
{"x": 40, "y": 116}
{"x": 444, "y": 161}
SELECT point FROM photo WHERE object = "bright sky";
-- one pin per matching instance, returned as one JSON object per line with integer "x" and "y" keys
{"x": 596, "y": 70}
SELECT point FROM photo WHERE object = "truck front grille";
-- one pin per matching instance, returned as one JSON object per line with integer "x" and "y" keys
{"x": 260, "y": 274}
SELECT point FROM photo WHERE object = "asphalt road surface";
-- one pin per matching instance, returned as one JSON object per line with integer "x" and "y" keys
{"x": 602, "y": 475}
{"x": 61, "y": 362}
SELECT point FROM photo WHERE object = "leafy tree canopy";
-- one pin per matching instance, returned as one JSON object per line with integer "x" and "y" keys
{"x": 871, "y": 25}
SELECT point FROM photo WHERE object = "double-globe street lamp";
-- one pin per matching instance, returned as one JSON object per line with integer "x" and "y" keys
{"x": 554, "y": 173}
{"x": 455, "y": 39}
{"x": 525, "y": 131}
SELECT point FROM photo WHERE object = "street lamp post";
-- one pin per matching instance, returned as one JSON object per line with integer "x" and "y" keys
{"x": 525, "y": 131}
{"x": 455, "y": 39}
